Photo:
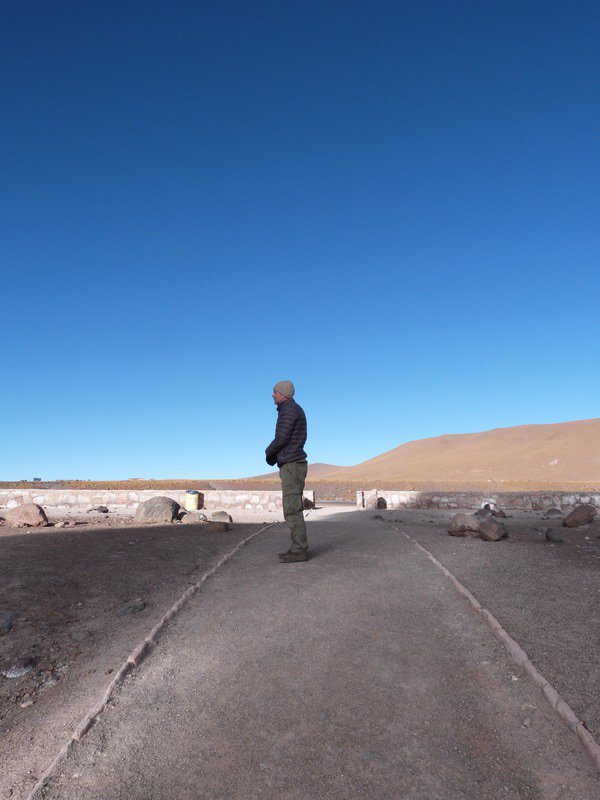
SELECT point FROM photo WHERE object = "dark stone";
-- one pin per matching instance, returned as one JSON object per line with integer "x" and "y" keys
{"x": 484, "y": 512}
{"x": 131, "y": 608}
{"x": 553, "y": 512}
{"x": 552, "y": 536}
{"x": 21, "y": 668}
{"x": 7, "y": 619}
{"x": 377, "y": 516}
{"x": 381, "y": 502}
{"x": 464, "y": 525}
{"x": 492, "y": 531}
{"x": 581, "y": 515}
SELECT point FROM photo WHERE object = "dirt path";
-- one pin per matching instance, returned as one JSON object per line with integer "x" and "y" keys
{"x": 360, "y": 674}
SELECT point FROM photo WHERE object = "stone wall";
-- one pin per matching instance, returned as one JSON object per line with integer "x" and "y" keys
{"x": 124, "y": 500}
{"x": 525, "y": 501}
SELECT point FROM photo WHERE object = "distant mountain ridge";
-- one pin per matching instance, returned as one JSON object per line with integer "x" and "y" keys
{"x": 556, "y": 453}
{"x": 317, "y": 470}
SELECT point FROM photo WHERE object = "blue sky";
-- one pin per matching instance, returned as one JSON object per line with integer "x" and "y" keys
{"x": 394, "y": 204}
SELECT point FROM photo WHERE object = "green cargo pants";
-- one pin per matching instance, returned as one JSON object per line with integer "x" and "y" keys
{"x": 293, "y": 476}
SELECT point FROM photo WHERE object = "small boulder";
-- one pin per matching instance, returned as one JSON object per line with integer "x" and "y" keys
{"x": 464, "y": 525}
{"x": 552, "y": 536}
{"x": 221, "y": 516}
{"x": 157, "y": 509}
{"x": 492, "y": 531}
{"x": 499, "y": 512}
{"x": 580, "y": 516}
{"x": 483, "y": 512}
{"x": 381, "y": 502}
{"x": 307, "y": 504}
{"x": 28, "y": 514}
{"x": 378, "y": 517}
{"x": 553, "y": 512}
{"x": 20, "y": 668}
{"x": 193, "y": 518}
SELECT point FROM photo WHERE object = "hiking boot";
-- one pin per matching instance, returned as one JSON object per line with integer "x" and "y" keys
{"x": 281, "y": 555}
{"x": 292, "y": 558}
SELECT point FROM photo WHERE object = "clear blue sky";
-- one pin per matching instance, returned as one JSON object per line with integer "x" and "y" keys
{"x": 394, "y": 204}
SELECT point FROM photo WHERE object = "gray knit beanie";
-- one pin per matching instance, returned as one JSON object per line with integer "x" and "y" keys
{"x": 284, "y": 387}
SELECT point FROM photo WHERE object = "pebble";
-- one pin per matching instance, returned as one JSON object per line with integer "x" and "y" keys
{"x": 552, "y": 536}
{"x": 47, "y": 683}
{"x": 7, "y": 619}
{"x": 132, "y": 608}
{"x": 20, "y": 669}
{"x": 26, "y": 704}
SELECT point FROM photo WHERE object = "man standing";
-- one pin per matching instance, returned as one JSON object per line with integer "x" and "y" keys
{"x": 287, "y": 451}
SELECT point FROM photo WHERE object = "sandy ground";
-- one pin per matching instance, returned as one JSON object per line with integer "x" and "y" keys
{"x": 68, "y": 586}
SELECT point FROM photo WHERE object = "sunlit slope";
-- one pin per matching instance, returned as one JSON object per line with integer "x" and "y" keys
{"x": 316, "y": 471}
{"x": 562, "y": 452}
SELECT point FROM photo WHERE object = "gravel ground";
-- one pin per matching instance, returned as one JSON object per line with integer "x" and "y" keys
{"x": 361, "y": 674}
{"x": 546, "y": 596}
{"x": 260, "y": 628}
{"x": 67, "y": 587}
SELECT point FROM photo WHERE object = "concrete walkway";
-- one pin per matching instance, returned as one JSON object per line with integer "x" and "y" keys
{"x": 361, "y": 674}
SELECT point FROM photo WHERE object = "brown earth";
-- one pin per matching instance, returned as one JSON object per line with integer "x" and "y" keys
{"x": 70, "y": 589}
{"x": 565, "y": 453}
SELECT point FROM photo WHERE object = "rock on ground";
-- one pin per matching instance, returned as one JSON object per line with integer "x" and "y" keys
{"x": 157, "y": 509}
{"x": 483, "y": 512}
{"x": 7, "y": 619}
{"x": 580, "y": 516}
{"x": 221, "y": 516}
{"x": 29, "y": 514}
{"x": 193, "y": 518}
{"x": 492, "y": 531}
{"x": 132, "y": 608}
{"x": 464, "y": 525}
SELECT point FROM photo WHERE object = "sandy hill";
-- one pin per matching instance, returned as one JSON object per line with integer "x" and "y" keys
{"x": 315, "y": 471}
{"x": 544, "y": 454}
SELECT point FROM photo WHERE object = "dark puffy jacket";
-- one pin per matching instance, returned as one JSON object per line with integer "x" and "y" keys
{"x": 290, "y": 435}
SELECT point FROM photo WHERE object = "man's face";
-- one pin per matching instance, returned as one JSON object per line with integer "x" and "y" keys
{"x": 278, "y": 398}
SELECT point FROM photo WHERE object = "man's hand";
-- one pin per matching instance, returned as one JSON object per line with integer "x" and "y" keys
{"x": 271, "y": 460}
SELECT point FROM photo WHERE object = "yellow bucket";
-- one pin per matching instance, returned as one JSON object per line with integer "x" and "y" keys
{"x": 192, "y": 500}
